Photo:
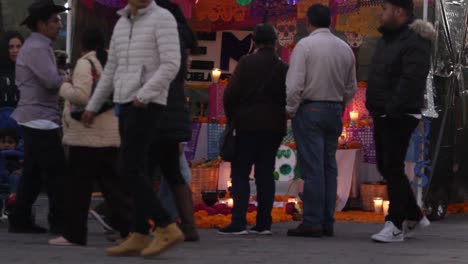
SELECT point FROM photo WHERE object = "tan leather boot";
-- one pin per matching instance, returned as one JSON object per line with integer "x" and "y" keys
{"x": 184, "y": 202}
{"x": 133, "y": 246}
{"x": 164, "y": 239}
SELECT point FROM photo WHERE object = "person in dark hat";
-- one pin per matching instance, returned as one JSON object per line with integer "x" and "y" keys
{"x": 395, "y": 97}
{"x": 38, "y": 113}
{"x": 255, "y": 101}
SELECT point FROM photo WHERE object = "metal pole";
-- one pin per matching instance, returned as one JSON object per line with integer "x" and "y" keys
{"x": 425, "y": 9}
{"x": 69, "y": 29}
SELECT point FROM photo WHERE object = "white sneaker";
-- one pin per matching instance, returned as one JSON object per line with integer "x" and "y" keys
{"x": 60, "y": 241}
{"x": 411, "y": 227}
{"x": 389, "y": 234}
{"x": 100, "y": 220}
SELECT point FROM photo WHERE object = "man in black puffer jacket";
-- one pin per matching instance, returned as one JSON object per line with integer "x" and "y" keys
{"x": 395, "y": 97}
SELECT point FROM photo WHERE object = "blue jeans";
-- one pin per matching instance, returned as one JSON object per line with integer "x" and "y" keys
{"x": 316, "y": 127}
{"x": 165, "y": 193}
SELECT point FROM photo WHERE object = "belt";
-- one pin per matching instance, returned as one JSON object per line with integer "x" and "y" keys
{"x": 321, "y": 101}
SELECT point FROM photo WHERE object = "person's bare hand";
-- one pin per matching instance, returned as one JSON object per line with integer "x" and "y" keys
{"x": 138, "y": 104}
{"x": 87, "y": 118}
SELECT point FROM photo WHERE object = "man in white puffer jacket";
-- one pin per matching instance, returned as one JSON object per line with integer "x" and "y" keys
{"x": 144, "y": 58}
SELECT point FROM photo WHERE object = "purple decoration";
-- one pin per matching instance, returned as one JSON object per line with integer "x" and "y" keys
{"x": 292, "y": 2}
{"x": 191, "y": 148}
{"x": 272, "y": 8}
{"x": 338, "y": 7}
{"x": 113, "y": 3}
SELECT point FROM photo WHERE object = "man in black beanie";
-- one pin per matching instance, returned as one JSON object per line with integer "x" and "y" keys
{"x": 395, "y": 97}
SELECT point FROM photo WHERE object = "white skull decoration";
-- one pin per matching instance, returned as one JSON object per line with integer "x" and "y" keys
{"x": 285, "y": 164}
{"x": 287, "y": 30}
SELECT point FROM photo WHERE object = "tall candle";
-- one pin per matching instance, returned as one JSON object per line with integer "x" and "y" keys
{"x": 378, "y": 201}
{"x": 386, "y": 205}
{"x": 354, "y": 116}
{"x": 215, "y": 74}
{"x": 230, "y": 202}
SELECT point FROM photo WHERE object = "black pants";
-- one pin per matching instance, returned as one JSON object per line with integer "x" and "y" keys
{"x": 392, "y": 137}
{"x": 44, "y": 163}
{"x": 85, "y": 165}
{"x": 138, "y": 131}
{"x": 254, "y": 148}
{"x": 164, "y": 155}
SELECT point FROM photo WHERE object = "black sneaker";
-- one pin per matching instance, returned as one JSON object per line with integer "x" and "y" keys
{"x": 233, "y": 230}
{"x": 260, "y": 231}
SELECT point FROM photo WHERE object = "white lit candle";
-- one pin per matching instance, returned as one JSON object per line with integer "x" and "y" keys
{"x": 354, "y": 116}
{"x": 230, "y": 202}
{"x": 386, "y": 204}
{"x": 215, "y": 74}
{"x": 229, "y": 184}
{"x": 222, "y": 201}
{"x": 378, "y": 201}
{"x": 292, "y": 200}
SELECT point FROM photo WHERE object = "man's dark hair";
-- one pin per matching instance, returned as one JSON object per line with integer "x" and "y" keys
{"x": 319, "y": 16}
{"x": 264, "y": 34}
{"x": 94, "y": 39}
{"x": 43, "y": 16}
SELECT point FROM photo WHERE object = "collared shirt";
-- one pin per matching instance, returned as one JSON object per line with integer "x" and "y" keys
{"x": 322, "y": 68}
{"x": 38, "y": 80}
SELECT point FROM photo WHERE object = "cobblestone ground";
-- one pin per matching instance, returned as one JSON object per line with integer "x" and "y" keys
{"x": 443, "y": 242}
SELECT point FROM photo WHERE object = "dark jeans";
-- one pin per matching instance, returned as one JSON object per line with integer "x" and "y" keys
{"x": 44, "y": 163}
{"x": 138, "y": 131}
{"x": 392, "y": 137}
{"x": 85, "y": 166}
{"x": 316, "y": 127}
{"x": 164, "y": 154}
{"x": 257, "y": 148}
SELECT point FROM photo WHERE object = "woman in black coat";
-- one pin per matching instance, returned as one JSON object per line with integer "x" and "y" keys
{"x": 175, "y": 128}
{"x": 10, "y": 45}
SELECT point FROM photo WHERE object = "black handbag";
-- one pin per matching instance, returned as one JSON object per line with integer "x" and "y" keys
{"x": 227, "y": 145}
{"x": 77, "y": 111}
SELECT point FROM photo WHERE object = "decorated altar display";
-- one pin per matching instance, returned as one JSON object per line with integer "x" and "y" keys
{"x": 224, "y": 28}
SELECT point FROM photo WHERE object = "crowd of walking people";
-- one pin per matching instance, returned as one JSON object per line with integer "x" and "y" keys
{"x": 124, "y": 117}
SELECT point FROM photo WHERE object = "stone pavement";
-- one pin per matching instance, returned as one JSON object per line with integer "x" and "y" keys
{"x": 443, "y": 242}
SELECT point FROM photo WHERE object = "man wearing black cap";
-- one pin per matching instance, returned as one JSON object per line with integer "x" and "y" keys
{"x": 38, "y": 113}
{"x": 395, "y": 96}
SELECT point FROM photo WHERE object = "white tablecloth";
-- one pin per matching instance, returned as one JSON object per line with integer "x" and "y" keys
{"x": 349, "y": 162}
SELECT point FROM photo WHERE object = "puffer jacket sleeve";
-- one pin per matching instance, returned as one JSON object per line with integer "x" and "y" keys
{"x": 167, "y": 41}
{"x": 105, "y": 85}
{"x": 78, "y": 93}
{"x": 416, "y": 63}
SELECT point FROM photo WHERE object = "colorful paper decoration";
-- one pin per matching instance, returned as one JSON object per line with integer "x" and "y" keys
{"x": 365, "y": 21}
{"x": 272, "y": 9}
{"x": 244, "y": 2}
{"x": 305, "y": 4}
{"x": 214, "y": 10}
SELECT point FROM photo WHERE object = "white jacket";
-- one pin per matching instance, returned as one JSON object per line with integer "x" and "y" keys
{"x": 105, "y": 131}
{"x": 144, "y": 58}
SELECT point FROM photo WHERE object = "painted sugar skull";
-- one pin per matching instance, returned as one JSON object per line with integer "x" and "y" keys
{"x": 287, "y": 30}
{"x": 285, "y": 164}
{"x": 354, "y": 39}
